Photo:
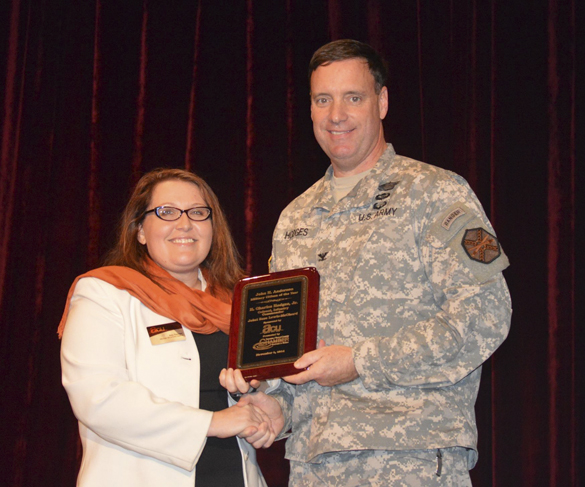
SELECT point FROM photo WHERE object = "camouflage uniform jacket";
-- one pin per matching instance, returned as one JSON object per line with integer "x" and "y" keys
{"x": 411, "y": 280}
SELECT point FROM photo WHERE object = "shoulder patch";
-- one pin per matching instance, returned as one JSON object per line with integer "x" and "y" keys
{"x": 451, "y": 217}
{"x": 481, "y": 246}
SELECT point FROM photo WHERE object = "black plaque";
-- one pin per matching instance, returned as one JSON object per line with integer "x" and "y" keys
{"x": 274, "y": 322}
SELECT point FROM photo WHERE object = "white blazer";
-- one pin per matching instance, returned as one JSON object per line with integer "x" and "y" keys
{"x": 136, "y": 403}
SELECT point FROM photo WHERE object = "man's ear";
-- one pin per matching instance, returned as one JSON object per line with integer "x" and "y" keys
{"x": 140, "y": 235}
{"x": 383, "y": 102}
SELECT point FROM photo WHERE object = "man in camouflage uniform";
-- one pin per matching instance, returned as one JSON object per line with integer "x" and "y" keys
{"x": 412, "y": 299}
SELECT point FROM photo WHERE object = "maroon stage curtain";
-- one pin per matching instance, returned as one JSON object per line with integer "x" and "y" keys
{"x": 95, "y": 93}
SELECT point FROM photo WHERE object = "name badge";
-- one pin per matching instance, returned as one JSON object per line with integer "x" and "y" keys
{"x": 166, "y": 333}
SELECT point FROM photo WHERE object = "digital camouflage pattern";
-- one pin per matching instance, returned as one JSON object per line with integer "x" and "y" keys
{"x": 398, "y": 285}
{"x": 375, "y": 468}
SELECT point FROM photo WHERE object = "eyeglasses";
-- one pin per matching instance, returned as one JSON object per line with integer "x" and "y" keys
{"x": 170, "y": 214}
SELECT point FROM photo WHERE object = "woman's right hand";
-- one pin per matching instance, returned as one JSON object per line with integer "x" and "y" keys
{"x": 234, "y": 382}
{"x": 271, "y": 408}
{"x": 243, "y": 421}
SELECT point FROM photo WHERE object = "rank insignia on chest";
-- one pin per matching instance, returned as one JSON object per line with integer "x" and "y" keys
{"x": 480, "y": 245}
{"x": 388, "y": 186}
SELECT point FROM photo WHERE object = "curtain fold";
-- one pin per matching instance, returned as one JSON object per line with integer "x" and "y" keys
{"x": 94, "y": 94}
{"x": 561, "y": 243}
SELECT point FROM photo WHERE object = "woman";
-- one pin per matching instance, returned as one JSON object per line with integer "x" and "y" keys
{"x": 144, "y": 340}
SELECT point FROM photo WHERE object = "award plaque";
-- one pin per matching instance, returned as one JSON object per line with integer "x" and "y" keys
{"x": 274, "y": 322}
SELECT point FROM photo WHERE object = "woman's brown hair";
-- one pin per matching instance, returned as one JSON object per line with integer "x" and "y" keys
{"x": 222, "y": 264}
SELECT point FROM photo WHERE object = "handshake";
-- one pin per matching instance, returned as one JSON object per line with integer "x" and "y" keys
{"x": 258, "y": 417}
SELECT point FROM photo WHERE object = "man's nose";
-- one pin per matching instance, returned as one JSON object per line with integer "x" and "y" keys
{"x": 338, "y": 113}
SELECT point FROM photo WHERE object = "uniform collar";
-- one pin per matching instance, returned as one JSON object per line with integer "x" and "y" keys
{"x": 363, "y": 192}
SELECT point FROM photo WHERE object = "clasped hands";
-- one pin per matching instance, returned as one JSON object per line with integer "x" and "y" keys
{"x": 327, "y": 365}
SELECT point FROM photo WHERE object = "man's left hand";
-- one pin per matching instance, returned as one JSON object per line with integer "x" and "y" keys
{"x": 328, "y": 366}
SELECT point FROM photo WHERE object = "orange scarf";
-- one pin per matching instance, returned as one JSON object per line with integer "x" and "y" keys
{"x": 197, "y": 310}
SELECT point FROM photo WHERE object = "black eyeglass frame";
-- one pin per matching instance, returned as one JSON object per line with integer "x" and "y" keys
{"x": 158, "y": 208}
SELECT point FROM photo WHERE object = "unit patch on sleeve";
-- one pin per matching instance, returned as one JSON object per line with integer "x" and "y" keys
{"x": 480, "y": 245}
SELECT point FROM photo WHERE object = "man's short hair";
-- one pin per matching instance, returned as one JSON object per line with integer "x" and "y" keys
{"x": 343, "y": 49}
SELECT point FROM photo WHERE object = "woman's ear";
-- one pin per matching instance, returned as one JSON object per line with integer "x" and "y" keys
{"x": 140, "y": 235}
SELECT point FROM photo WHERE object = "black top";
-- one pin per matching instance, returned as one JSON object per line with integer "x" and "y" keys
{"x": 220, "y": 462}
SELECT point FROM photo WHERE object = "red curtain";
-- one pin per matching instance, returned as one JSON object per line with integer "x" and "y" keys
{"x": 95, "y": 93}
